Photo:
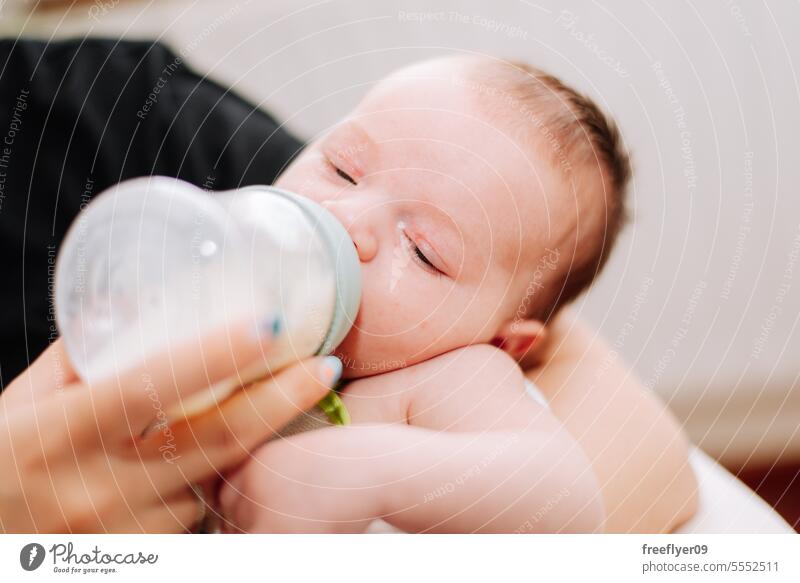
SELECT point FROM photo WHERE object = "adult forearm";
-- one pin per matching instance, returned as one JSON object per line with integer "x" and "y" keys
{"x": 637, "y": 449}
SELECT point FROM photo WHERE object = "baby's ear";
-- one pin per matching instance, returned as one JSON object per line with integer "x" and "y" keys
{"x": 519, "y": 337}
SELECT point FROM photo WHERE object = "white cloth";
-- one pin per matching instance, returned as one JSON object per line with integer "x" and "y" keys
{"x": 727, "y": 506}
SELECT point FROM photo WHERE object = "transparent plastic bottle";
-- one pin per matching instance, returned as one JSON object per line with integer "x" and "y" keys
{"x": 155, "y": 262}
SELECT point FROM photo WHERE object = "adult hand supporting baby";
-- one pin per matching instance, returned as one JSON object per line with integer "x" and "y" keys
{"x": 75, "y": 459}
{"x": 637, "y": 449}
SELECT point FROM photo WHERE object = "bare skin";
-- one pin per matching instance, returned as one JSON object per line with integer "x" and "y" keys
{"x": 74, "y": 458}
{"x": 417, "y": 455}
{"x": 423, "y": 179}
{"x": 453, "y": 444}
{"x": 398, "y": 180}
{"x": 637, "y": 450}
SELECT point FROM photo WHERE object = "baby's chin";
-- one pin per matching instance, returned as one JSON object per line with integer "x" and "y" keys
{"x": 362, "y": 365}
{"x": 362, "y": 357}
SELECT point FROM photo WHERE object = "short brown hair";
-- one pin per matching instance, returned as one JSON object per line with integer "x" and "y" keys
{"x": 581, "y": 136}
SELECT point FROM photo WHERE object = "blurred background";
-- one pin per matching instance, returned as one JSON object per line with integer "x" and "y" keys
{"x": 702, "y": 296}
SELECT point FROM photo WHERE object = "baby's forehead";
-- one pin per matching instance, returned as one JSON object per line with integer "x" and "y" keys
{"x": 437, "y": 122}
{"x": 432, "y": 121}
{"x": 443, "y": 107}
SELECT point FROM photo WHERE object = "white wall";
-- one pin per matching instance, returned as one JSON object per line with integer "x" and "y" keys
{"x": 708, "y": 274}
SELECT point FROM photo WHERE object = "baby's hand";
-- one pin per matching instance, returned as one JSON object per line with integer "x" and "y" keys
{"x": 308, "y": 483}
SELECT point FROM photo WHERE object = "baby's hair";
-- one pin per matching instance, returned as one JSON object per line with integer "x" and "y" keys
{"x": 580, "y": 137}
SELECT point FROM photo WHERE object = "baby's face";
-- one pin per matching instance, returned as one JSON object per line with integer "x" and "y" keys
{"x": 448, "y": 213}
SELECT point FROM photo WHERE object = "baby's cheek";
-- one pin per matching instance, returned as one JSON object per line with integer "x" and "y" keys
{"x": 400, "y": 316}
{"x": 380, "y": 305}
{"x": 374, "y": 347}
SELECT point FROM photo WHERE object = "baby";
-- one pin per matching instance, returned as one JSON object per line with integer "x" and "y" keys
{"x": 481, "y": 197}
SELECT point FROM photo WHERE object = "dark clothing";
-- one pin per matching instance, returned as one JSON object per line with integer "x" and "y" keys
{"x": 81, "y": 115}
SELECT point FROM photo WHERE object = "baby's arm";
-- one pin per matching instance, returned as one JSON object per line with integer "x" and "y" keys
{"x": 484, "y": 457}
{"x": 512, "y": 465}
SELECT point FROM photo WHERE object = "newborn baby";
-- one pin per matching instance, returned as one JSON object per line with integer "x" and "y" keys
{"x": 481, "y": 197}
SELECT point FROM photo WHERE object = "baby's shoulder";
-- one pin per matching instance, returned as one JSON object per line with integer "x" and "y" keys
{"x": 475, "y": 388}
{"x": 474, "y": 361}
{"x": 462, "y": 377}
{"x": 464, "y": 365}
{"x": 470, "y": 365}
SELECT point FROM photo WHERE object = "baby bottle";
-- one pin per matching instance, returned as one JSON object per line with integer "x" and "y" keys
{"x": 153, "y": 262}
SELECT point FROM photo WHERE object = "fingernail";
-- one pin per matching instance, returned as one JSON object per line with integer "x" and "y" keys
{"x": 330, "y": 370}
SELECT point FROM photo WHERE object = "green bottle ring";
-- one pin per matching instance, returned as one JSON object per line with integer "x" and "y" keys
{"x": 333, "y": 407}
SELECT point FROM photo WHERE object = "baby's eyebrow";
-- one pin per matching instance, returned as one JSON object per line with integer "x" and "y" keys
{"x": 361, "y": 132}
{"x": 350, "y": 143}
{"x": 357, "y": 135}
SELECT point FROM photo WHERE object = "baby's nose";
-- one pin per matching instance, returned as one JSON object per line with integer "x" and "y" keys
{"x": 365, "y": 243}
{"x": 364, "y": 240}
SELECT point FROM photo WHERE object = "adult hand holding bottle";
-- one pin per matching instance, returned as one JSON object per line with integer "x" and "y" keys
{"x": 80, "y": 458}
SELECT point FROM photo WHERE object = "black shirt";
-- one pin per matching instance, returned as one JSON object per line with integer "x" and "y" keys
{"x": 79, "y": 116}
